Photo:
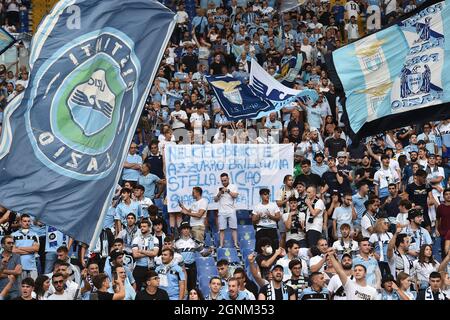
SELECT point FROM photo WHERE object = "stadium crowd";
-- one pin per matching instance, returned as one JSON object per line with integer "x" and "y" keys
{"x": 366, "y": 221}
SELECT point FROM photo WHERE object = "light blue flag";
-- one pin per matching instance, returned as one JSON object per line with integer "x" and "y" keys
{"x": 400, "y": 74}
{"x": 6, "y": 40}
{"x": 66, "y": 137}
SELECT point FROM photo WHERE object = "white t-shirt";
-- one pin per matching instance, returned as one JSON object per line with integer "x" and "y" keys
{"x": 383, "y": 177}
{"x": 367, "y": 222}
{"x": 177, "y": 123}
{"x": 315, "y": 260}
{"x": 226, "y": 201}
{"x": 196, "y": 207}
{"x": 334, "y": 284}
{"x": 402, "y": 218}
{"x": 318, "y": 219}
{"x": 352, "y": 30}
{"x": 65, "y": 296}
{"x": 265, "y": 221}
{"x": 197, "y": 121}
{"x": 356, "y": 292}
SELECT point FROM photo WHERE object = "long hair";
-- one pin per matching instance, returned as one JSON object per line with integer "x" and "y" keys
{"x": 422, "y": 255}
{"x": 378, "y": 228}
{"x": 39, "y": 286}
{"x": 199, "y": 293}
{"x": 400, "y": 277}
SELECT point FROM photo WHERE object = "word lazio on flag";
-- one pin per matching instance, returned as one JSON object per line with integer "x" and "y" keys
{"x": 66, "y": 137}
{"x": 263, "y": 95}
{"x": 400, "y": 74}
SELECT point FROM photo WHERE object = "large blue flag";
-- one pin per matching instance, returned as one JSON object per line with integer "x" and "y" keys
{"x": 399, "y": 75}
{"x": 6, "y": 40}
{"x": 65, "y": 139}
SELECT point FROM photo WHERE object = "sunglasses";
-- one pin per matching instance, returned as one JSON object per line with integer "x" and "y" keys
{"x": 9, "y": 242}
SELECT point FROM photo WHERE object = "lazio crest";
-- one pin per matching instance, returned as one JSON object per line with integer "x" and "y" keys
{"x": 80, "y": 103}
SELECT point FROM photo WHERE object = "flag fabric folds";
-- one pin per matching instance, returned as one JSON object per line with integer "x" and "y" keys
{"x": 263, "y": 95}
{"x": 398, "y": 75}
{"x": 237, "y": 99}
{"x": 279, "y": 95}
{"x": 287, "y": 5}
{"x": 6, "y": 40}
{"x": 67, "y": 135}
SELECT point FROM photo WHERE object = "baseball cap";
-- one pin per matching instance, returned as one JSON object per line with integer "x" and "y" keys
{"x": 115, "y": 254}
{"x": 299, "y": 153}
{"x": 346, "y": 255}
{"x": 319, "y": 154}
{"x": 276, "y": 265}
{"x": 342, "y": 154}
{"x": 184, "y": 224}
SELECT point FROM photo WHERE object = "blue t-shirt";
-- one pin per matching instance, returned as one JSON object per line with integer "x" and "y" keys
{"x": 360, "y": 208}
{"x": 149, "y": 183}
{"x": 123, "y": 209}
{"x": 338, "y": 11}
{"x": 131, "y": 174}
{"x": 22, "y": 239}
{"x": 169, "y": 280}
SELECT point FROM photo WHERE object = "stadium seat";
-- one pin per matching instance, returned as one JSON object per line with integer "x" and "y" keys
{"x": 205, "y": 261}
{"x": 243, "y": 217}
{"x": 247, "y": 244}
{"x": 246, "y": 235}
{"x": 203, "y": 271}
{"x": 229, "y": 254}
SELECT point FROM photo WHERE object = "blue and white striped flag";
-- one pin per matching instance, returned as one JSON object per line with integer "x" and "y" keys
{"x": 399, "y": 75}
{"x": 66, "y": 137}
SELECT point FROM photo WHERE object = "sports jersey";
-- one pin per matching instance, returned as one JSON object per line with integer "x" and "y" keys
{"x": 187, "y": 248}
{"x": 147, "y": 242}
{"x": 380, "y": 244}
{"x": 311, "y": 294}
{"x": 297, "y": 285}
{"x": 26, "y": 238}
{"x": 169, "y": 277}
{"x": 351, "y": 247}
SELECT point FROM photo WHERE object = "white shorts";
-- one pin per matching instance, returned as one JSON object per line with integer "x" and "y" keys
{"x": 227, "y": 220}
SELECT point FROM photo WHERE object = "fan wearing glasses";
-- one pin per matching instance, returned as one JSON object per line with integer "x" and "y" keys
{"x": 60, "y": 292}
